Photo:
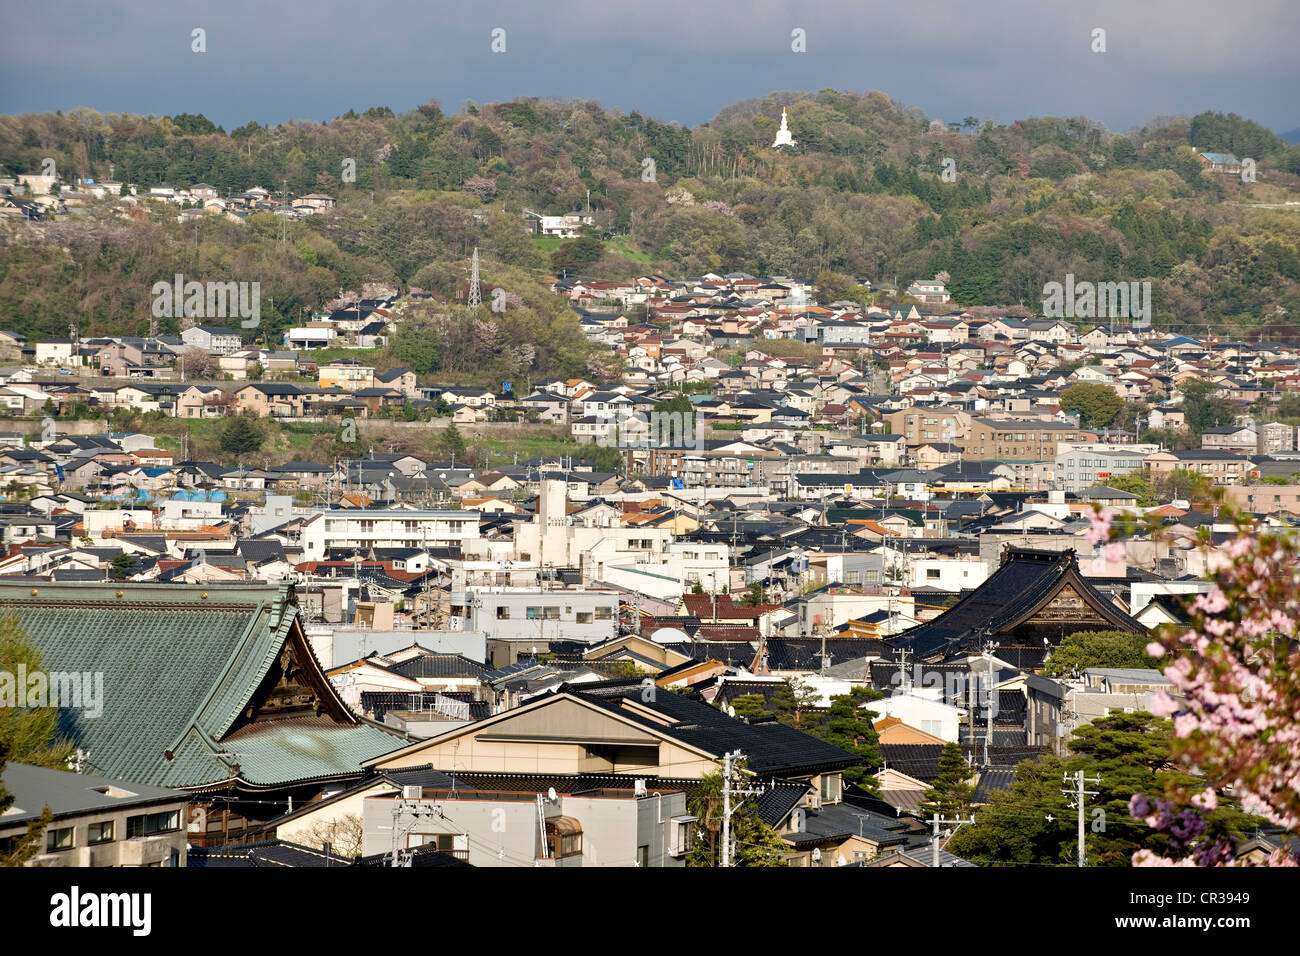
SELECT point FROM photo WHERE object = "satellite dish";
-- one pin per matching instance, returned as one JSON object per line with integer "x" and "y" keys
{"x": 550, "y": 794}
{"x": 731, "y": 711}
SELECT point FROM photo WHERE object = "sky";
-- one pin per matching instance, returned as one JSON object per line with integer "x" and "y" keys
{"x": 679, "y": 60}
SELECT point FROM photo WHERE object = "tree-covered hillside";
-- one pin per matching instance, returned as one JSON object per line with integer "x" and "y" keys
{"x": 873, "y": 189}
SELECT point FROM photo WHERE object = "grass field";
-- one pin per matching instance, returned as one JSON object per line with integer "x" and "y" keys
{"x": 619, "y": 246}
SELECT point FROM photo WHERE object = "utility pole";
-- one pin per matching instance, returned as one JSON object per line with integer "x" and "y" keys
{"x": 990, "y": 690}
{"x": 729, "y": 761}
{"x": 1077, "y": 794}
{"x": 934, "y": 840}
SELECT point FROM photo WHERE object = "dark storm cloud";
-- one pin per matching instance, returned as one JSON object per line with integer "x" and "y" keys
{"x": 674, "y": 59}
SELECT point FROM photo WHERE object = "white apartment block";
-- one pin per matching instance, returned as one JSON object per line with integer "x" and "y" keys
{"x": 387, "y": 529}
{"x": 1081, "y": 465}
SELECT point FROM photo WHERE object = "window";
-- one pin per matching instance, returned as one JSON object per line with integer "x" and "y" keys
{"x": 584, "y": 617}
{"x": 830, "y": 788}
{"x": 60, "y": 839}
{"x": 543, "y": 613}
{"x": 604, "y": 613}
{"x": 503, "y": 614}
{"x": 932, "y": 574}
{"x": 934, "y": 727}
{"x": 101, "y": 832}
{"x": 681, "y": 835}
{"x": 643, "y": 855}
{"x": 457, "y": 844}
{"x": 150, "y": 823}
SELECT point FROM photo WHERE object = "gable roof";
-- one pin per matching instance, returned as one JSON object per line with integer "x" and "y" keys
{"x": 186, "y": 669}
{"x": 1025, "y": 583}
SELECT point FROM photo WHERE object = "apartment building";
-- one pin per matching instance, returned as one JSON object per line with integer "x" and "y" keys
{"x": 1081, "y": 465}
{"x": 363, "y": 530}
{"x": 1020, "y": 440}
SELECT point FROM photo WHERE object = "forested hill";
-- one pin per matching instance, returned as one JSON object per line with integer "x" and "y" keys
{"x": 872, "y": 189}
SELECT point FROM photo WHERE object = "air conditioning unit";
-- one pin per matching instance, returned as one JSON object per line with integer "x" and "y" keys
{"x": 412, "y": 793}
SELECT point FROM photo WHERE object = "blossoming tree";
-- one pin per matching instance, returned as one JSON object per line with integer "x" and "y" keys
{"x": 1237, "y": 669}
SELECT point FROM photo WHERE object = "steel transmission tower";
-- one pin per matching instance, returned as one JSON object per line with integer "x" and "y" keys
{"x": 475, "y": 295}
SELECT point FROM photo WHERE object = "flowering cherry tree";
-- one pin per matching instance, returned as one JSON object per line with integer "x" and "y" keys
{"x": 1237, "y": 669}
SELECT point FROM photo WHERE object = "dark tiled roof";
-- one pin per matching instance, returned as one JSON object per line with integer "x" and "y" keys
{"x": 1025, "y": 582}
{"x": 439, "y": 665}
{"x": 993, "y": 779}
{"x": 770, "y": 747}
{"x": 797, "y": 654}
{"x": 269, "y": 853}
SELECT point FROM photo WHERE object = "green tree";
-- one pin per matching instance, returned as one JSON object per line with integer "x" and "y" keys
{"x": 951, "y": 792}
{"x": 1184, "y": 484}
{"x": 1097, "y": 405}
{"x": 1204, "y": 407}
{"x": 606, "y": 458}
{"x": 756, "y": 843}
{"x": 28, "y": 734}
{"x": 242, "y": 436}
{"x": 1135, "y": 483}
{"x": 122, "y": 565}
{"x": 792, "y": 701}
{"x": 1099, "y": 649}
{"x": 417, "y": 345}
{"x": 847, "y": 724}
{"x": 750, "y": 705}
{"x": 1032, "y": 824}
{"x": 451, "y": 442}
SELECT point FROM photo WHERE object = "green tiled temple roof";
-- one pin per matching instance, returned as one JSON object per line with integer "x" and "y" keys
{"x": 179, "y": 665}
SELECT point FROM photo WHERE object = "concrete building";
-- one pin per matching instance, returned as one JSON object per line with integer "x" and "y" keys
{"x": 1080, "y": 465}
{"x": 1056, "y": 708}
{"x": 97, "y": 821}
{"x": 363, "y": 530}
{"x": 537, "y": 616}
{"x": 610, "y": 826}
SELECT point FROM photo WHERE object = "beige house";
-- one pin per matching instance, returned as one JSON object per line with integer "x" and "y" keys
{"x": 281, "y": 401}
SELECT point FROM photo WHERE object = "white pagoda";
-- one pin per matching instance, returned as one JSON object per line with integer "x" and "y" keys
{"x": 783, "y": 137}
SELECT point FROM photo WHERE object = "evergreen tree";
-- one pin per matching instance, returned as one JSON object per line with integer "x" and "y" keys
{"x": 451, "y": 442}
{"x": 242, "y": 436}
{"x": 848, "y": 725}
{"x": 31, "y": 734}
{"x": 122, "y": 565}
{"x": 1033, "y": 823}
{"x": 951, "y": 792}
{"x": 750, "y": 705}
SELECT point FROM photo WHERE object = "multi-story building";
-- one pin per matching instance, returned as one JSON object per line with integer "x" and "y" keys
{"x": 1080, "y": 465}
{"x": 520, "y": 614}
{"x": 1221, "y": 467}
{"x": 1013, "y": 440}
{"x": 940, "y": 423}
{"x": 344, "y": 529}
{"x": 349, "y": 375}
{"x": 96, "y": 821}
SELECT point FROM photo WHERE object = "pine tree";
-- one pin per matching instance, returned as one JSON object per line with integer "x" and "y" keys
{"x": 848, "y": 725}
{"x": 951, "y": 793}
